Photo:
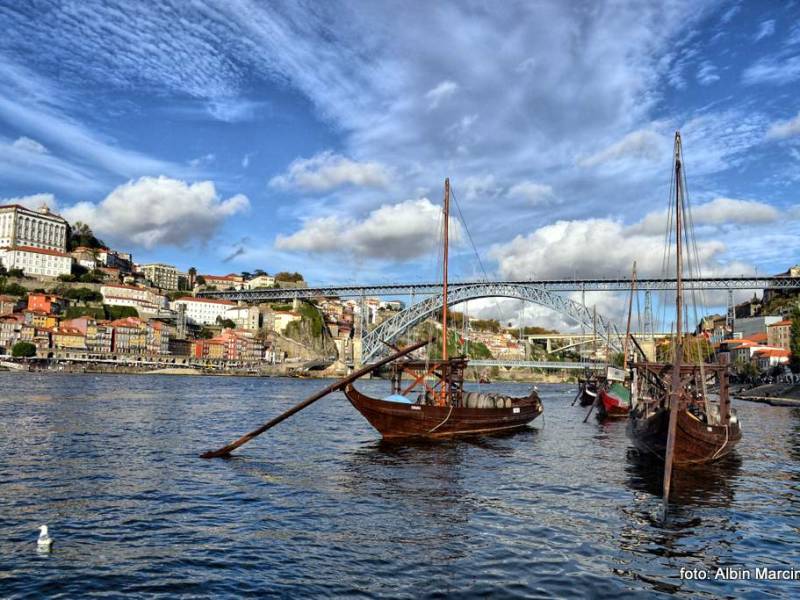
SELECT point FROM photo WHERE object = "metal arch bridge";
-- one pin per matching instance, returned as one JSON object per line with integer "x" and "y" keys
{"x": 538, "y": 364}
{"x": 373, "y": 344}
{"x": 550, "y": 285}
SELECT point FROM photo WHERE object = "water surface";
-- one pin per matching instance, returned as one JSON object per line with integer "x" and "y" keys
{"x": 320, "y": 506}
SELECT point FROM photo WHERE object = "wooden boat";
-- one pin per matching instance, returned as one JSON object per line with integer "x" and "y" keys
{"x": 588, "y": 391}
{"x": 613, "y": 402}
{"x": 674, "y": 417}
{"x": 434, "y": 404}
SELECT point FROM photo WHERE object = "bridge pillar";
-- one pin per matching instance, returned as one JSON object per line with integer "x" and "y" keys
{"x": 357, "y": 350}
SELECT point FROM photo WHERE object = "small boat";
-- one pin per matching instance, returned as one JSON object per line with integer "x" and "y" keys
{"x": 614, "y": 402}
{"x": 674, "y": 417}
{"x": 587, "y": 392}
{"x": 435, "y": 404}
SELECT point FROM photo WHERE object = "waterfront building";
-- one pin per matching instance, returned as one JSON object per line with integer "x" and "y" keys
{"x": 98, "y": 335}
{"x": 259, "y": 282}
{"x": 157, "y": 338}
{"x": 37, "y": 262}
{"x": 129, "y": 337}
{"x": 212, "y": 349}
{"x": 69, "y": 339}
{"x": 245, "y": 317}
{"x": 146, "y": 301}
{"x": 778, "y": 334}
{"x": 38, "y": 229}
{"x": 202, "y": 311}
{"x": 10, "y": 331}
{"x": 161, "y": 275}
{"x": 240, "y": 345}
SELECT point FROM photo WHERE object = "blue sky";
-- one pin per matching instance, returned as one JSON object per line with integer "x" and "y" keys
{"x": 316, "y": 136}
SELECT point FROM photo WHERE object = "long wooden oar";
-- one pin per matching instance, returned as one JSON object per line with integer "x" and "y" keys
{"x": 674, "y": 398}
{"x": 226, "y": 450}
{"x": 578, "y": 395}
{"x": 595, "y": 403}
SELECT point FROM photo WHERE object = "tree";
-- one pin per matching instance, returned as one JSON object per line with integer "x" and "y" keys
{"x": 285, "y": 276}
{"x": 201, "y": 280}
{"x": 23, "y": 349}
{"x": 80, "y": 234}
{"x": 226, "y": 323}
{"x": 15, "y": 289}
{"x": 16, "y": 273}
{"x": 794, "y": 341}
{"x": 192, "y": 277}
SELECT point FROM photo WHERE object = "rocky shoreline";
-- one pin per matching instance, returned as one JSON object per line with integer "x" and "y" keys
{"x": 774, "y": 394}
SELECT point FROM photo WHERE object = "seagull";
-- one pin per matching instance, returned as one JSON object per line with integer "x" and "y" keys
{"x": 45, "y": 542}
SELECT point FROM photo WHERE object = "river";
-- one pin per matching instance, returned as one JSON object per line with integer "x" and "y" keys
{"x": 319, "y": 506}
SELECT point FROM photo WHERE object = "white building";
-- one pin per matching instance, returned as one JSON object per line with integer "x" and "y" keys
{"x": 36, "y": 261}
{"x": 20, "y": 226}
{"x": 203, "y": 311}
{"x": 146, "y": 301}
{"x": 245, "y": 317}
{"x": 261, "y": 281}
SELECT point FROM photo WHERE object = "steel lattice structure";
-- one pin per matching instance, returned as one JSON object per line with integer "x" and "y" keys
{"x": 552, "y": 285}
{"x": 373, "y": 344}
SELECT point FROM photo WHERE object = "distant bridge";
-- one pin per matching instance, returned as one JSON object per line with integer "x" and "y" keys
{"x": 550, "y": 285}
{"x": 537, "y": 364}
{"x": 374, "y": 343}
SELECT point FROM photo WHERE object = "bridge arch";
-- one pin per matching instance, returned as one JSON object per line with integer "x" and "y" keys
{"x": 372, "y": 344}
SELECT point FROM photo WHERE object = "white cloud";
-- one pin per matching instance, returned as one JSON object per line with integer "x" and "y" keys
{"x": 202, "y": 161}
{"x": 765, "y": 29}
{"x": 773, "y": 70}
{"x": 784, "y": 129}
{"x": 707, "y": 73}
{"x": 442, "y": 91}
{"x": 398, "y": 232}
{"x": 478, "y": 187}
{"x": 34, "y": 201}
{"x": 720, "y": 211}
{"x": 158, "y": 210}
{"x": 643, "y": 144}
{"x": 26, "y": 144}
{"x": 595, "y": 248}
{"x": 531, "y": 192}
{"x": 326, "y": 171}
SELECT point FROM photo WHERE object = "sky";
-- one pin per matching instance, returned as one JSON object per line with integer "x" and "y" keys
{"x": 315, "y": 137}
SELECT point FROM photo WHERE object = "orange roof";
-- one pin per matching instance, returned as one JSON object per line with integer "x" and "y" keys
{"x": 772, "y": 352}
{"x": 783, "y": 323}
{"x": 37, "y": 250}
{"x": 758, "y": 337}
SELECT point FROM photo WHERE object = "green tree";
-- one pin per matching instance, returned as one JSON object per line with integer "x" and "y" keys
{"x": 80, "y": 234}
{"x": 23, "y": 349}
{"x": 201, "y": 280}
{"x": 19, "y": 273}
{"x": 226, "y": 323}
{"x": 285, "y": 276}
{"x": 794, "y": 341}
{"x": 205, "y": 333}
{"x": 15, "y": 289}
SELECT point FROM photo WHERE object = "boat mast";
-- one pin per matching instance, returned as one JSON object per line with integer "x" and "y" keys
{"x": 444, "y": 288}
{"x": 675, "y": 391}
{"x": 628, "y": 327}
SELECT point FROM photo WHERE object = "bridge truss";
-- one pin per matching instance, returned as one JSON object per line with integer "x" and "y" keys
{"x": 373, "y": 344}
{"x": 550, "y": 285}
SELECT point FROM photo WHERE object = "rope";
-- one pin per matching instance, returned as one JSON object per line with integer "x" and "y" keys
{"x": 445, "y": 419}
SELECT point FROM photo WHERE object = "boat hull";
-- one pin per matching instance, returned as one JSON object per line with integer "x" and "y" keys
{"x": 394, "y": 420}
{"x": 695, "y": 441}
{"x": 610, "y": 406}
